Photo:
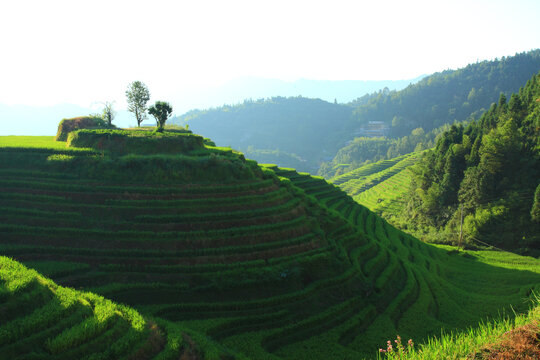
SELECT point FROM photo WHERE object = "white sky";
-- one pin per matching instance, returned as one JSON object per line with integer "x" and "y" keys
{"x": 84, "y": 52}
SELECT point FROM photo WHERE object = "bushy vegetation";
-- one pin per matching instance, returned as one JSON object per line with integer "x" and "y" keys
{"x": 418, "y": 114}
{"x": 84, "y": 122}
{"x": 364, "y": 150}
{"x": 487, "y": 172}
{"x": 136, "y": 142}
{"x": 506, "y": 337}
{"x": 451, "y": 95}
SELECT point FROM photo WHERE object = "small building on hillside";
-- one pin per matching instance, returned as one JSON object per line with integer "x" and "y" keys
{"x": 373, "y": 129}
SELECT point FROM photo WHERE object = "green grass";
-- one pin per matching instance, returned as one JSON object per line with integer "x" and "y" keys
{"x": 463, "y": 344}
{"x": 63, "y": 323}
{"x": 380, "y": 186}
{"x": 270, "y": 264}
{"x": 365, "y": 178}
{"x": 451, "y": 288}
{"x": 46, "y": 142}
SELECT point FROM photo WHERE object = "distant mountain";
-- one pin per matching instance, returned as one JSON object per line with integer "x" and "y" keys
{"x": 343, "y": 91}
{"x": 43, "y": 120}
{"x": 437, "y": 100}
{"x": 36, "y": 120}
{"x": 307, "y": 133}
{"x": 293, "y": 132}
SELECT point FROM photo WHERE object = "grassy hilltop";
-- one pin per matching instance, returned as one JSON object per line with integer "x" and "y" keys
{"x": 251, "y": 261}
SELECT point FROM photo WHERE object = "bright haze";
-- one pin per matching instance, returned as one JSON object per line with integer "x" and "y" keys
{"x": 87, "y": 52}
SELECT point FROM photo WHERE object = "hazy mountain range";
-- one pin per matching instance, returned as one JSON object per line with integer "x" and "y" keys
{"x": 43, "y": 120}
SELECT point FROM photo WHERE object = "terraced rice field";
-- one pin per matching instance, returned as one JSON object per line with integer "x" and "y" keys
{"x": 387, "y": 197}
{"x": 381, "y": 186}
{"x": 41, "y": 320}
{"x": 365, "y": 178}
{"x": 275, "y": 265}
{"x": 366, "y": 170}
{"x": 418, "y": 286}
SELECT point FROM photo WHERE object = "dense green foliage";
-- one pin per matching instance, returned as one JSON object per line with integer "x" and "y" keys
{"x": 136, "y": 142}
{"x": 364, "y": 150}
{"x": 490, "y": 169}
{"x": 161, "y": 111}
{"x": 451, "y": 95}
{"x": 84, "y": 122}
{"x": 137, "y": 96}
{"x": 296, "y": 131}
{"x": 418, "y": 113}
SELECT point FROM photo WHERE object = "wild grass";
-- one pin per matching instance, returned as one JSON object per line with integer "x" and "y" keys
{"x": 468, "y": 344}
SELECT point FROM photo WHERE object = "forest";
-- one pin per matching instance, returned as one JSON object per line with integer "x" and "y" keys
{"x": 486, "y": 173}
{"x": 438, "y": 100}
{"x": 320, "y": 137}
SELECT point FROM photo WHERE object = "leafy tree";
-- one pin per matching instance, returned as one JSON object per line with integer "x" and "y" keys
{"x": 137, "y": 96}
{"x": 535, "y": 211}
{"x": 161, "y": 110}
{"x": 490, "y": 168}
{"x": 108, "y": 113}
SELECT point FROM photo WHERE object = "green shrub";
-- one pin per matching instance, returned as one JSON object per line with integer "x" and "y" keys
{"x": 136, "y": 142}
{"x": 66, "y": 126}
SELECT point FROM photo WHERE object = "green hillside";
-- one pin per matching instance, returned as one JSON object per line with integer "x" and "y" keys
{"x": 365, "y": 178}
{"x": 41, "y": 320}
{"x": 381, "y": 186}
{"x": 292, "y": 131}
{"x": 486, "y": 173}
{"x": 255, "y": 262}
{"x": 318, "y": 136}
{"x": 414, "y": 116}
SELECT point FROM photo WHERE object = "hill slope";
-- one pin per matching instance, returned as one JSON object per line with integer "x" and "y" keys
{"x": 437, "y": 100}
{"x": 267, "y": 262}
{"x": 41, "y": 320}
{"x": 380, "y": 186}
{"x": 303, "y": 133}
{"x": 307, "y": 130}
{"x": 486, "y": 172}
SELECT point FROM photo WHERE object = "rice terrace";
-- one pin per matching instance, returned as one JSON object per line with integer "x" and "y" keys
{"x": 345, "y": 180}
{"x": 217, "y": 257}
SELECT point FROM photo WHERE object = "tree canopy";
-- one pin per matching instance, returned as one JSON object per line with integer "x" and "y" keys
{"x": 108, "y": 112}
{"x": 436, "y": 101}
{"x": 490, "y": 168}
{"x": 138, "y": 96}
{"x": 161, "y": 111}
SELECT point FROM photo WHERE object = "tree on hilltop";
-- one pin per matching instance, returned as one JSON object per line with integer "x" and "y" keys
{"x": 161, "y": 110}
{"x": 108, "y": 113}
{"x": 137, "y": 96}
